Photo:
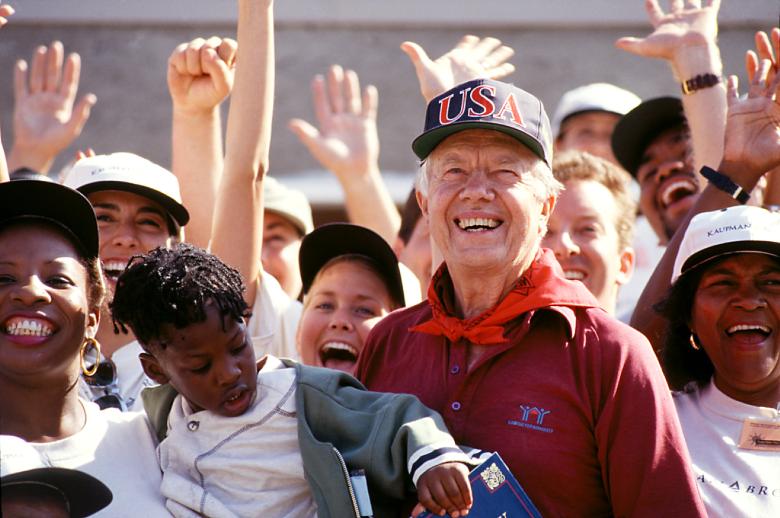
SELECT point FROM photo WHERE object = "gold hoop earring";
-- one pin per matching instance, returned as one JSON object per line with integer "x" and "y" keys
{"x": 692, "y": 340}
{"x": 83, "y": 352}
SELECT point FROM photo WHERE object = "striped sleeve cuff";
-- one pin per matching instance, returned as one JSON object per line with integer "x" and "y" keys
{"x": 432, "y": 455}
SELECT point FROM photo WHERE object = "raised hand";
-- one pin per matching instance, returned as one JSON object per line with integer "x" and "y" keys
{"x": 687, "y": 24}
{"x": 346, "y": 142}
{"x": 752, "y": 141}
{"x": 45, "y": 118}
{"x": 471, "y": 58}
{"x": 5, "y": 11}
{"x": 201, "y": 74}
{"x": 767, "y": 47}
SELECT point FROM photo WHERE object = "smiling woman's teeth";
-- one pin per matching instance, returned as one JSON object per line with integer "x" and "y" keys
{"x": 746, "y": 327}
{"x": 477, "y": 223}
{"x": 113, "y": 268}
{"x": 28, "y": 328}
{"x": 574, "y": 275}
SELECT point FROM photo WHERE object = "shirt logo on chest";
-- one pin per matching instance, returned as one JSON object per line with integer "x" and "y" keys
{"x": 531, "y": 417}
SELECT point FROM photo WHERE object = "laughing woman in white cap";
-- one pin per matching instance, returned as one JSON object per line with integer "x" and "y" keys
{"x": 138, "y": 207}
{"x": 722, "y": 352}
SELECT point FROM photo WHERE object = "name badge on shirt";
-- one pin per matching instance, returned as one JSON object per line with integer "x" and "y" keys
{"x": 760, "y": 434}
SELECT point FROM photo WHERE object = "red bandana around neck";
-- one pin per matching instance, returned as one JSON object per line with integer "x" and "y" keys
{"x": 542, "y": 285}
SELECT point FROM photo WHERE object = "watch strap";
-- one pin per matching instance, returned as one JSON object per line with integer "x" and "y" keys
{"x": 725, "y": 184}
{"x": 699, "y": 82}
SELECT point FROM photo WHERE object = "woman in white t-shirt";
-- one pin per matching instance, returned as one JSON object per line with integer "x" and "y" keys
{"x": 722, "y": 355}
{"x": 51, "y": 289}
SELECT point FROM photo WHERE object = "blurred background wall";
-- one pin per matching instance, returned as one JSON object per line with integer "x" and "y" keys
{"x": 125, "y": 44}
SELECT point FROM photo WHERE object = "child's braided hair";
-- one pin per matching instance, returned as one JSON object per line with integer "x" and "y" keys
{"x": 173, "y": 286}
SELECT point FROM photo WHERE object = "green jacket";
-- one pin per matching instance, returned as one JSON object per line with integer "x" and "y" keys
{"x": 342, "y": 427}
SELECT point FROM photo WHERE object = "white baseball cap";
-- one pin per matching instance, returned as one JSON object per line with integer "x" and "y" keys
{"x": 129, "y": 172}
{"x": 595, "y": 97}
{"x": 733, "y": 230}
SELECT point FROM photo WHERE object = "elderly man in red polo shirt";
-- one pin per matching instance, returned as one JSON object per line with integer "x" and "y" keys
{"x": 516, "y": 358}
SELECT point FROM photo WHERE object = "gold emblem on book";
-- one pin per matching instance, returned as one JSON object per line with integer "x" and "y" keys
{"x": 493, "y": 477}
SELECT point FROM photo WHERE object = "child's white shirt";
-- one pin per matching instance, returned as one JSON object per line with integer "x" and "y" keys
{"x": 249, "y": 465}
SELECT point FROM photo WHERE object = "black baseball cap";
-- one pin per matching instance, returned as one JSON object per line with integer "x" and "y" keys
{"x": 336, "y": 239}
{"x": 21, "y": 465}
{"x": 487, "y": 104}
{"x": 55, "y": 203}
{"x": 636, "y": 129}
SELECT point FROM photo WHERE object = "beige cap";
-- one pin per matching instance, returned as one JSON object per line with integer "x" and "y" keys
{"x": 595, "y": 97}
{"x": 289, "y": 203}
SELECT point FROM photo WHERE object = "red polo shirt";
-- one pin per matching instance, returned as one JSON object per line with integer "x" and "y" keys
{"x": 575, "y": 403}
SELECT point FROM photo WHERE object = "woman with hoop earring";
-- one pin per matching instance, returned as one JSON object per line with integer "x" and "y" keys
{"x": 51, "y": 289}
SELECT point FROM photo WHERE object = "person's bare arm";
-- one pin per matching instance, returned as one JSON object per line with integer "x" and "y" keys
{"x": 767, "y": 47}
{"x": 686, "y": 37}
{"x": 237, "y": 235}
{"x": 45, "y": 118}
{"x": 471, "y": 58}
{"x": 5, "y": 11}
{"x": 751, "y": 147}
{"x": 347, "y": 144}
{"x": 200, "y": 77}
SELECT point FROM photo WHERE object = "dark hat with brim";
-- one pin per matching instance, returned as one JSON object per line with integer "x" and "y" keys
{"x": 21, "y": 465}
{"x": 85, "y": 494}
{"x": 336, "y": 239}
{"x": 54, "y": 203}
{"x": 637, "y": 129}
{"x": 486, "y": 104}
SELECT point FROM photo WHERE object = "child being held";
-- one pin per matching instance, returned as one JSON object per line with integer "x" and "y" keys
{"x": 271, "y": 438}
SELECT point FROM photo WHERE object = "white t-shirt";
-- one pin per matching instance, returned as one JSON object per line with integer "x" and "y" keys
{"x": 274, "y": 320}
{"x": 117, "y": 448}
{"x": 732, "y": 481}
{"x": 249, "y": 465}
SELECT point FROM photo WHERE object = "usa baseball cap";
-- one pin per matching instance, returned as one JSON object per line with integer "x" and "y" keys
{"x": 486, "y": 104}
{"x": 22, "y": 465}
{"x": 330, "y": 241}
{"x": 54, "y": 203}
{"x": 733, "y": 230}
{"x": 637, "y": 128}
{"x": 594, "y": 97}
{"x": 131, "y": 173}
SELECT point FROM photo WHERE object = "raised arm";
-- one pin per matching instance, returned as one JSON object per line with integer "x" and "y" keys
{"x": 237, "y": 235}
{"x": 45, "y": 118}
{"x": 471, "y": 58}
{"x": 751, "y": 147}
{"x": 5, "y": 11}
{"x": 347, "y": 144}
{"x": 686, "y": 37}
{"x": 200, "y": 77}
{"x": 767, "y": 47}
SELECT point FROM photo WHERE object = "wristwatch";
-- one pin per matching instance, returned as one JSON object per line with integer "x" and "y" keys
{"x": 699, "y": 82}
{"x": 725, "y": 184}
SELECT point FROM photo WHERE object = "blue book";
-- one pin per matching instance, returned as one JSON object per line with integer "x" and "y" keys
{"x": 497, "y": 494}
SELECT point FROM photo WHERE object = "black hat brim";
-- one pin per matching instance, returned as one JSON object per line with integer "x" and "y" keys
{"x": 336, "y": 239}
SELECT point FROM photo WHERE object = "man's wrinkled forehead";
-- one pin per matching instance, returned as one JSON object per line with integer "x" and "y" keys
{"x": 500, "y": 146}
